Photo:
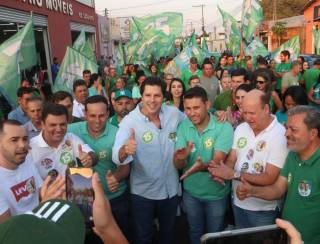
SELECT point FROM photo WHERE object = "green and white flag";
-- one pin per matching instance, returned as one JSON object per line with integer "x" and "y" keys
{"x": 16, "y": 53}
{"x": 232, "y": 33}
{"x": 71, "y": 69}
{"x": 119, "y": 58}
{"x": 316, "y": 40}
{"x": 292, "y": 45}
{"x": 83, "y": 46}
{"x": 195, "y": 49}
{"x": 252, "y": 16}
{"x": 256, "y": 48}
{"x": 204, "y": 47}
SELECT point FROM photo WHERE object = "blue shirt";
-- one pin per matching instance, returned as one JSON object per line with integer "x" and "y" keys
{"x": 153, "y": 174}
{"x": 19, "y": 115}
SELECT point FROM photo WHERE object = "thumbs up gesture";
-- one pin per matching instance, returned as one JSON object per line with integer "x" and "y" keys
{"x": 84, "y": 157}
{"x": 131, "y": 144}
{"x": 112, "y": 181}
{"x": 244, "y": 190}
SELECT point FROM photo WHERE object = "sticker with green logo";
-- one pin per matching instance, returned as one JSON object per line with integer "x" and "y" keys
{"x": 66, "y": 158}
{"x": 242, "y": 142}
{"x": 147, "y": 137}
{"x": 102, "y": 154}
{"x": 208, "y": 143}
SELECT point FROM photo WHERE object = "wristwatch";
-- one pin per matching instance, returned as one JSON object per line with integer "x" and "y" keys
{"x": 236, "y": 175}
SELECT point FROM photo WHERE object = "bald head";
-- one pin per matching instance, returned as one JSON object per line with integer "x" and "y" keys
{"x": 256, "y": 97}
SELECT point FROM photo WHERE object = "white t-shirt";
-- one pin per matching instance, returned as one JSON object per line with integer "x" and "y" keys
{"x": 55, "y": 160}
{"x": 19, "y": 188}
{"x": 253, "y": 155}
{"x": 78, "y": 109}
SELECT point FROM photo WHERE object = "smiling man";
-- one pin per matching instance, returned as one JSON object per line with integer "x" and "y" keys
{"x": 146, "y": 138}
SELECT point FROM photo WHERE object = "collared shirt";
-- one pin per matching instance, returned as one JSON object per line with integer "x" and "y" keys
{"x": 114, "y": 120}
{"x": 31, "y": 129}
{"x": 78, "y": 109}
{"x": 153, "y": 174}
{"x": 50, "y": 160}
{"x": 254, "y": 152}
{"x": 19, "y": 115}
{"x": 102, "y": 145}
{"x": 215, "y": 137}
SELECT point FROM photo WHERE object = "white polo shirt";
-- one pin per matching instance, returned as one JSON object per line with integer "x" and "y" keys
{"x": 78, "y": 109}
{"x": 55, "y": 160}
{"x": 19, "y": 188}
{"x": 253, "y": 155}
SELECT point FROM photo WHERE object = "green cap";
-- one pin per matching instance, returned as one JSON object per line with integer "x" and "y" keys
{"x": 122, "y": 93}
{"x": 54, "y": 221}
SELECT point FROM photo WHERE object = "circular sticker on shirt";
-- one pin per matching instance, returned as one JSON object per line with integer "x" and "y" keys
{"x": 147, "y": 137}
{"x": 242, "y": 142}
{"x": 244, "y": 167}
{"x": 65, "y": 158}
{"x": 30, "y": 185}
{"x": 304, "y": 188}
{"x": 261, "y": 145}
{"x": 102, "y": 154}
{"x": 258, "y": 167}
{"x": 208, "y": 143}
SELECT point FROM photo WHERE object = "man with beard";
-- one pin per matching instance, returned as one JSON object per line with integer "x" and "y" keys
{"x": 21, "y": 185}
{"x": 122, "y": 106}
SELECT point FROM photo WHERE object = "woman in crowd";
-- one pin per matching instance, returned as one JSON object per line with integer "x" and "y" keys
{"x": 225, "y": 82}
{"x": 293, "y": 96}
{"x": 95, "y": 86}
{"x": 194, "y": 80}
{"x": 262, "y": 81}
{"x": 140, "y": 77}
{"x": 177, "y": 90}
{"x": 153, "y": 70}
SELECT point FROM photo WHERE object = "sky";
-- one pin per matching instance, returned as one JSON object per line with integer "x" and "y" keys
{"x": 191, "y": 15}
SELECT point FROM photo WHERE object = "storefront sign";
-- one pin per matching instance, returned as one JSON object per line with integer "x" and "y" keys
{"x": 53, "y": 5}
{"x": 86, "y": 16}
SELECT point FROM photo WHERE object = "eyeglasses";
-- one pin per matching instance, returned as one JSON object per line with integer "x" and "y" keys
{"x": 261, "y": 82}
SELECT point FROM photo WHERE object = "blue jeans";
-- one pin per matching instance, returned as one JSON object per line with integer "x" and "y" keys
{"x": 204, "y": 215}
{"x": 120, "y": 212}
{"x": 246, "y": 218}
{"x": 145, "y": 210}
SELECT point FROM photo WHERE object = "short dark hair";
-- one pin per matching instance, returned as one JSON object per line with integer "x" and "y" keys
{"x": 8, "y": 122}
{"x": 86, "y": 71}
{"x": 198, "y": 92}
{"x": 285, "y": 53}
{"x": 298, "y": 95}
{"x": 193, "y": 77}
{"x": 245, "y": 87}
{"x": 34, "y": 99}
{"x": 60, "y": 95}
{"x": 239, "y": 72}
{"x": 53, "y": 109}
{"x": 153, "y": 81}
{"x": 24, "y": 90}
{"x": 96, "y": 99}
{"x": 77, "y": 83}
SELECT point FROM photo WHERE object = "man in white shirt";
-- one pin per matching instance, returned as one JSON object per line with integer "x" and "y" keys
{"x": 80, "y": 91}
{"x": 34, "y": 110}
{"x": 53, "y": 150}
{"x": 258, "y": 153}
{"x": 20, "y": 181}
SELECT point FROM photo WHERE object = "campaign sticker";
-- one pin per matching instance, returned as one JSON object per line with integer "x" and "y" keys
{"x": 304, "y": 188}
{"x": 147, "y": 137}
{"x": 242, "y": 142}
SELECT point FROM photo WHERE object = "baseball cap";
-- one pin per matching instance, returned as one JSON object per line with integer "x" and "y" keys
{"x": 122, "y": 93}
{"x": 193, "y": 60}
{"x": 54, "y": 221}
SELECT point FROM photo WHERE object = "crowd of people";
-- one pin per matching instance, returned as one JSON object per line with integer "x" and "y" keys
{"x": 231, "y": 143}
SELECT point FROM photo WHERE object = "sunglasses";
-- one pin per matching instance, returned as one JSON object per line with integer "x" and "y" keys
{"x": 261, "y": 82}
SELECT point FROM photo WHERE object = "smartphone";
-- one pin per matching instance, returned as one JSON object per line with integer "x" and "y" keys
{"x": 79, "y": 191}
{"x": 268, "y": 234}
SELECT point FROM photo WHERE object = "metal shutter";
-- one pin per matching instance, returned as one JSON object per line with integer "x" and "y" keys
{"x": 79, "y": 27}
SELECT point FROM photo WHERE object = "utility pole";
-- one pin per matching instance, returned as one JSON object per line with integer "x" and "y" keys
{"x": 202, "y": 17}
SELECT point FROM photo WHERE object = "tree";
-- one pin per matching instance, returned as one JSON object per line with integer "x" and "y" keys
{"x": 279, "y": 29}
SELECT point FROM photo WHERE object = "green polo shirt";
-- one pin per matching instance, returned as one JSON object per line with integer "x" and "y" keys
{"x": 215, "y": 137}
{"x": 186, "y": 74}
{"x": 310, "y": 78}
{"x": 281, "y": 68}
{"x": 114, "y": 120}
{"x": 223, "y": 101}
{"x": 301, "y": 206}
{"x": 102, "y": 146}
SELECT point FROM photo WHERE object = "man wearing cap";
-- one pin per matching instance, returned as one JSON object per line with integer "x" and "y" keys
{"x": 53, "y": 150}
{"x": 100, "y": 136}
{"x": 192, "y": 70}
{"x": 122, "y": 106}
{"x": 146, "y": 139}
{"x": 20, "y": 181}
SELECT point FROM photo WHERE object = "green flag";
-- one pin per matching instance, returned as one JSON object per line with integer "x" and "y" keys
{"x": 71, "y": 69}
{"x": 232, "y": 33}
{"x": 316, "y": 40}
{"x": 252, "y": 16}
{"x": 255, "y": 48}
{"x": 292, "y": 45}
{"x": 195, "y": 49}
{"x": 119, "y": 58}
{"x": 84, "y": 47}
{"x": 204, "y": 47}
{"x": 16, "y": 53}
